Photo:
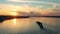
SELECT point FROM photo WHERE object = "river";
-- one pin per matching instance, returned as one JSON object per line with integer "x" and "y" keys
{"x": 29, "y": 26}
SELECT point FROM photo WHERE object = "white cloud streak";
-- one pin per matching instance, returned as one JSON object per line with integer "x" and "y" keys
{"x": 35, "y": 2}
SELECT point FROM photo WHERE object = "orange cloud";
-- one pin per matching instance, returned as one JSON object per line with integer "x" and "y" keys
{"x": 7, "y": 9}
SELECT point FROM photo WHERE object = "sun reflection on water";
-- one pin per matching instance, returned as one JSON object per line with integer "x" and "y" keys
{"x": 14, "y": 21}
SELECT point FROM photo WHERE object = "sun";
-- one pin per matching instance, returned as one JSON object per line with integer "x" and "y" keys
{"x": 14, "y": 12}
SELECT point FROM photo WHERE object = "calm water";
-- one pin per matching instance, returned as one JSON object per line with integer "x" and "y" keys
{"x": 29, "y": 26}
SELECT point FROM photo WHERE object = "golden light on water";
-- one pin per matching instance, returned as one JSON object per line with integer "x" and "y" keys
{"x": 14, "y": 21}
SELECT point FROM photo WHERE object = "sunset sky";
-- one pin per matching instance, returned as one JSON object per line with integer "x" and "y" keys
{"x": 41, "y": 6}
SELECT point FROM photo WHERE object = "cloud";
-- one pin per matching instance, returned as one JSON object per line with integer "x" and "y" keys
{"x": 14, "y": 0}
{"x": 23, "y": 7}
{"x": 7, "y": 9}
{"x": 35, "y": 2}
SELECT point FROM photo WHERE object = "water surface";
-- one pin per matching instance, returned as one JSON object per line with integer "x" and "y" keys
{"x": 29, "y": 26}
